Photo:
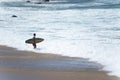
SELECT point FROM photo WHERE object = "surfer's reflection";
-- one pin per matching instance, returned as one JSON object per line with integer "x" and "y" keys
{"x": 34, "y": 43}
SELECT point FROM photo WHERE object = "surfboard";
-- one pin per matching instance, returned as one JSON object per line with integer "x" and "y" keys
{"x": 37, "y": 40}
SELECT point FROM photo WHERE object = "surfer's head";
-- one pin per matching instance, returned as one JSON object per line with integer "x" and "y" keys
{"x": 34, "y": 34}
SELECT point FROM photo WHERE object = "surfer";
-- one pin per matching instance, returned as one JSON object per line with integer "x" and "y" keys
{"x": 34, "y": 43}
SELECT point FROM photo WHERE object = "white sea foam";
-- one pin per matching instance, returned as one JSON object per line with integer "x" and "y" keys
{"x": 90, "y": 33}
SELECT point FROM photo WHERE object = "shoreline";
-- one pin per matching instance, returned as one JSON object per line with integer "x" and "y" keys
{"x": 50, "y": 66}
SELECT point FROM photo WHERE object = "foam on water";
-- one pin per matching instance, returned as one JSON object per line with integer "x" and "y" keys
{"x": 67, "y": 29}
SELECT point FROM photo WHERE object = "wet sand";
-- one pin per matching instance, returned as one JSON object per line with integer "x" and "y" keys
{"x": 26, "y": 65}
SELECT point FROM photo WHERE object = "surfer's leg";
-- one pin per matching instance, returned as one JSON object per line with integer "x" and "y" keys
{"x": 34, "y": 45}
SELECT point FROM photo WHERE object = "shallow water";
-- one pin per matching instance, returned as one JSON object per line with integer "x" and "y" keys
{"x": 79, "y": 28}
{"x": 55, "y": 63}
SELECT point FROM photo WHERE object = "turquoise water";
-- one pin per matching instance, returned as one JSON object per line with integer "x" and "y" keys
{"x": 79, "y": 28}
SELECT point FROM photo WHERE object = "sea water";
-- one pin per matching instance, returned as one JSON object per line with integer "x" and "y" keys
{"x": 75, "y": 28}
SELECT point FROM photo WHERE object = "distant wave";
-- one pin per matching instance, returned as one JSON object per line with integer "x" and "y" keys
{"x": 87, "y": 1}
{"x": 67, "y": 4}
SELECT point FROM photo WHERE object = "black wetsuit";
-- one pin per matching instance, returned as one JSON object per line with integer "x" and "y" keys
{"x": 34, "y": 44}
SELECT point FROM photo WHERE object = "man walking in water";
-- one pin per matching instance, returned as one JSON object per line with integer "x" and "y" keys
{"x": 34, "y": 43}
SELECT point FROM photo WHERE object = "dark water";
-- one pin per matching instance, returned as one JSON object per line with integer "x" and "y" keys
{"x": 67, "y": 4}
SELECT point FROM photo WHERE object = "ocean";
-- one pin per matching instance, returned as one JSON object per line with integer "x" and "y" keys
{"x": 75, "y": 28}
